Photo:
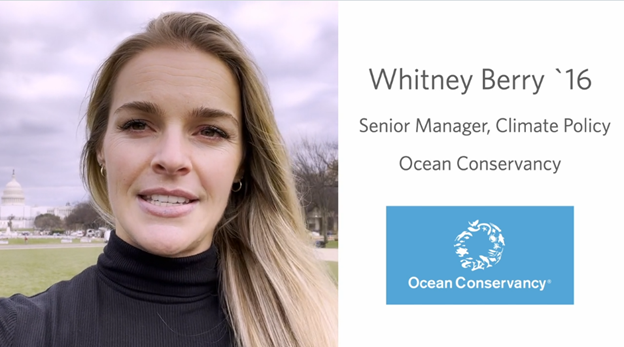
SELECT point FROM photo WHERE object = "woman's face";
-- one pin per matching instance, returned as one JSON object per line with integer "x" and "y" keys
{"x": 172, "y": 149}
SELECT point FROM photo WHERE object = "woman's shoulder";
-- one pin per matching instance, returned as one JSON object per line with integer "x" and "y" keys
{"x": 8, "y": 316}
{"x": 34, "y": 317}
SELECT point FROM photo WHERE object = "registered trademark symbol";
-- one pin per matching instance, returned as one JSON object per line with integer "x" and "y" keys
{"x": 549, "y": 281}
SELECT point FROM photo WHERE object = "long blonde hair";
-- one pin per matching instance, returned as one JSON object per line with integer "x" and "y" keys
{"x": 276, "y": 291}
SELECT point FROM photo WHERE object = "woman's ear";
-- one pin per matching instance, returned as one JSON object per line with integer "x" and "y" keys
{"x": 239, "y": 175}
{"x": 100, "y": 157}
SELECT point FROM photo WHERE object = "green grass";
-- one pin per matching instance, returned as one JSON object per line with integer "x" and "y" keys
{"x": 332, "y": 244}
{"x": 32, "y": 271}
{"x": 333, "y": 267}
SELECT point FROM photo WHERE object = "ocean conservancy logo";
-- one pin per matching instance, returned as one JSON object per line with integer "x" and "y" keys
{"x": 480, "y": 255}
{"x": 479, "y": 234}
{"x": 488, "y": 231}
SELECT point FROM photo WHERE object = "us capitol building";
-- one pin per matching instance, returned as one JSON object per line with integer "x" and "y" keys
{"x": 13, "y": 208}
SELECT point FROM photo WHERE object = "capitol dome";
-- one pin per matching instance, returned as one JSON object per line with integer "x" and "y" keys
{"x": 13, "y": 193}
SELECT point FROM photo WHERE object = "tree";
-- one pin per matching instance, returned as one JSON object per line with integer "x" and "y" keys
{"x": 48, "y": 221}
{"x": 84, "y": 216}
{"x": 315, "y": 166}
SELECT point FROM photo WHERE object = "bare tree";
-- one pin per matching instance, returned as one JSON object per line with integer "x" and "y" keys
{"x": 315, "y": 166}
{"x": 84, "y": 216}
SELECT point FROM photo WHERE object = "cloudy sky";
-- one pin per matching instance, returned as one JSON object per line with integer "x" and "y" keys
{"x": 50, "y": 51}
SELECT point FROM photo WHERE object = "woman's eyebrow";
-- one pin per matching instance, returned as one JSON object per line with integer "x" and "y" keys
{"x": 207, "y": 112}
{"x": 141, "y": 106}
{"x": 152, "y": 108}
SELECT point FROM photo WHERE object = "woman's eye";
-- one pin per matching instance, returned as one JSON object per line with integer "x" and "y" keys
{"x": 213, "y": 132}
{"x": 136, "y": 125}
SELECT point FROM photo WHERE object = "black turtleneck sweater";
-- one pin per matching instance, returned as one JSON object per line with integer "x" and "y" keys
{"x": 130, "y": 298}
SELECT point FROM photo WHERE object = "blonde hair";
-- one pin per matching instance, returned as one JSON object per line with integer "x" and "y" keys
{"x": 276, "y": 291}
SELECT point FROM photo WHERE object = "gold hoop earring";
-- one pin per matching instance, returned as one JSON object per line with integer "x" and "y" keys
{"x": 240, "y": 186}
{"x": 102, "y": 170}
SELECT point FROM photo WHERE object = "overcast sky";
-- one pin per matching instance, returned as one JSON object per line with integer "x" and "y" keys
{"x": 50, "y": 51}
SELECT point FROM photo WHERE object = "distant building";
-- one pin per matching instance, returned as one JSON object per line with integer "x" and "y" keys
{"x": 314, "y": 219}
{"x": 21, "y": 216}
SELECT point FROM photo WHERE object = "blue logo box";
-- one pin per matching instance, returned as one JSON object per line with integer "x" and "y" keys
{"x": 480, "y": 255}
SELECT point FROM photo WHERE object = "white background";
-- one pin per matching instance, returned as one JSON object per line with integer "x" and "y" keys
{"x": 463, "y": 38}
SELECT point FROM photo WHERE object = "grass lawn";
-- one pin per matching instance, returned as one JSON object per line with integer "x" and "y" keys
{"x": 332, "y": 244}
{"x": 333, "y": 267}
{"x": 31, "y": 271}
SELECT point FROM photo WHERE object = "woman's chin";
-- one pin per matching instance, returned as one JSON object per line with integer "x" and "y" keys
{"x": 168, "y": 242}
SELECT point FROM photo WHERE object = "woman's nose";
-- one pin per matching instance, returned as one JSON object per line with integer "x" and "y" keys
{"x": 171, "y": 156}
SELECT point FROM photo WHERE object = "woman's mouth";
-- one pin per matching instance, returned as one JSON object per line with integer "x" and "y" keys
{"x": 166, "y": 206}
{"x": 165, "y": 200}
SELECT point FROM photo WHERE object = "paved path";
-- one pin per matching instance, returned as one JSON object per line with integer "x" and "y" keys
{"x": 53, "y": 245}
{"x": 327, "y": 254}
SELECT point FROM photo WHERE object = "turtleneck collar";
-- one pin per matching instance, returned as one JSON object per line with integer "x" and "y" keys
{"x": 150, "y": 277}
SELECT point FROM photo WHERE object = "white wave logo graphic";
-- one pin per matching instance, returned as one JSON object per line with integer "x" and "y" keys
{"x": 480, "y": 261}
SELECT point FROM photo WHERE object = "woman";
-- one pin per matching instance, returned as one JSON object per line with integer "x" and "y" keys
{"x": 184, "y": 158}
